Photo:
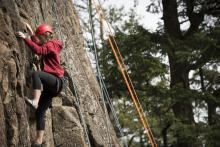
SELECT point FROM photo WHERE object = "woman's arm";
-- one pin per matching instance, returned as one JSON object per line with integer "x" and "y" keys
{"x": 33, "y": 37}
{"x": 39, "y": 50}
{"x": 36, "y": 40}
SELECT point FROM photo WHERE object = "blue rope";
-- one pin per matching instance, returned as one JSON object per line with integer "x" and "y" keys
{"x": 104, "y": 92}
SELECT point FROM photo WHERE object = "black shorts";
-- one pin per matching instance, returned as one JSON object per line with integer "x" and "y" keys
{"x": 52, "y": 86}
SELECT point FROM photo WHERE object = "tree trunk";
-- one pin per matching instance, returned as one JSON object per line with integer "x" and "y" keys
{"x": 179, "y": 78}
{"x": 211, "y": 105}
{"x": 164, "y": 133}
{"x": 179, "y": 70}
{"x": 182, "y": 109}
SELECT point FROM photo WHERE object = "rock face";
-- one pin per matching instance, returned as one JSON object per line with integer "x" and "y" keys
{"x": 64, "y": 125}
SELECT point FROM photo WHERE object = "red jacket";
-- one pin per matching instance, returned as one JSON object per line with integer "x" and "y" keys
{"x": 51, "y": 52}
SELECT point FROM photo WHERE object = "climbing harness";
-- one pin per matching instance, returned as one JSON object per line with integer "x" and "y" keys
{"x": 127, "y": 79}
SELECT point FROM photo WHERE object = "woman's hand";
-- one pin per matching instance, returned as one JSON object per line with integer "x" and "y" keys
{"x": 29, "y": 28}
{"x": 21, "y": 35}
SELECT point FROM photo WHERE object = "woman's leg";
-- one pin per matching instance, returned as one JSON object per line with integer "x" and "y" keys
{"x": 42, "y": 80}
{"x": 37, "y": 87}
{"x": 50, "y": 85}
{"x": 39, "y": 136}
{"x": 44, "y": 103}
{"x": 36, "y": 96}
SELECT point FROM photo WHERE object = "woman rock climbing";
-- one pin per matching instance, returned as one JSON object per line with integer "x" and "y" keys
{"x": 49, "y": 82}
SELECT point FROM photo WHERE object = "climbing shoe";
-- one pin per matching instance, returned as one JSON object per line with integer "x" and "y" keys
{"x": 31, "y": 103}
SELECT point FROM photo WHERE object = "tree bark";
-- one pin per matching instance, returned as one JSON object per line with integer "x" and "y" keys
{"x": 164, "y": 133}
{"x": 179, "y": 70}
{"x": 182, "y": 109}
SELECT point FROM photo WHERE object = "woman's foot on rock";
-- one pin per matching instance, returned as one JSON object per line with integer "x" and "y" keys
{"x": 31, "y": 103}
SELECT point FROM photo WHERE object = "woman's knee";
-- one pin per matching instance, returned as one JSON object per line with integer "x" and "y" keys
{"x": 35, "y": 74}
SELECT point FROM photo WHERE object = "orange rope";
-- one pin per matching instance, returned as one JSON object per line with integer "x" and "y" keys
{"x": 146, "y": 121}
{"x": 131, "y": 93}
{"x": 127, "y": 81}
{"x": 133, "y": 89}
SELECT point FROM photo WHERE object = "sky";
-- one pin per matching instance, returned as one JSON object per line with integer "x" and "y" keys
{"x": 148, "y": 20}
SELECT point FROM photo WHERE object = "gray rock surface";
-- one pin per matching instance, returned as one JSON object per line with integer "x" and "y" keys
{"x": 63, "y": 123}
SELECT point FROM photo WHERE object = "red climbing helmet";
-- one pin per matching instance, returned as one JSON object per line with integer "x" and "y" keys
{"x": 43, "y": 28}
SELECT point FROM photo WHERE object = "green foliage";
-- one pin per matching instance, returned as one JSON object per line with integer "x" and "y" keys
{"x": 143, "y": 53}
{"x": 139, "y": 55}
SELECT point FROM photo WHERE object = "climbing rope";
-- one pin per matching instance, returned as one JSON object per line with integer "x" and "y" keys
{"x": 106, "y": 95}
{"x": 81, "y": 67}
{"x": 98, "y": 70}
{"x": 77, "y": 97}
{"x": 77, "y": 104}
{"x": 113, "y": 112}
{"x": 74, "y": 86}
{"x": 81, "y": 114}
{"x": 97, "y": 99}
{"x": 127, "y": 78}
{"x": 108, "y": 100}
{"x": 101, "y": 81}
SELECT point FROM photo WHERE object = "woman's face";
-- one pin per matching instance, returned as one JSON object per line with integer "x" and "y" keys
{"x": 42, "y": 38}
